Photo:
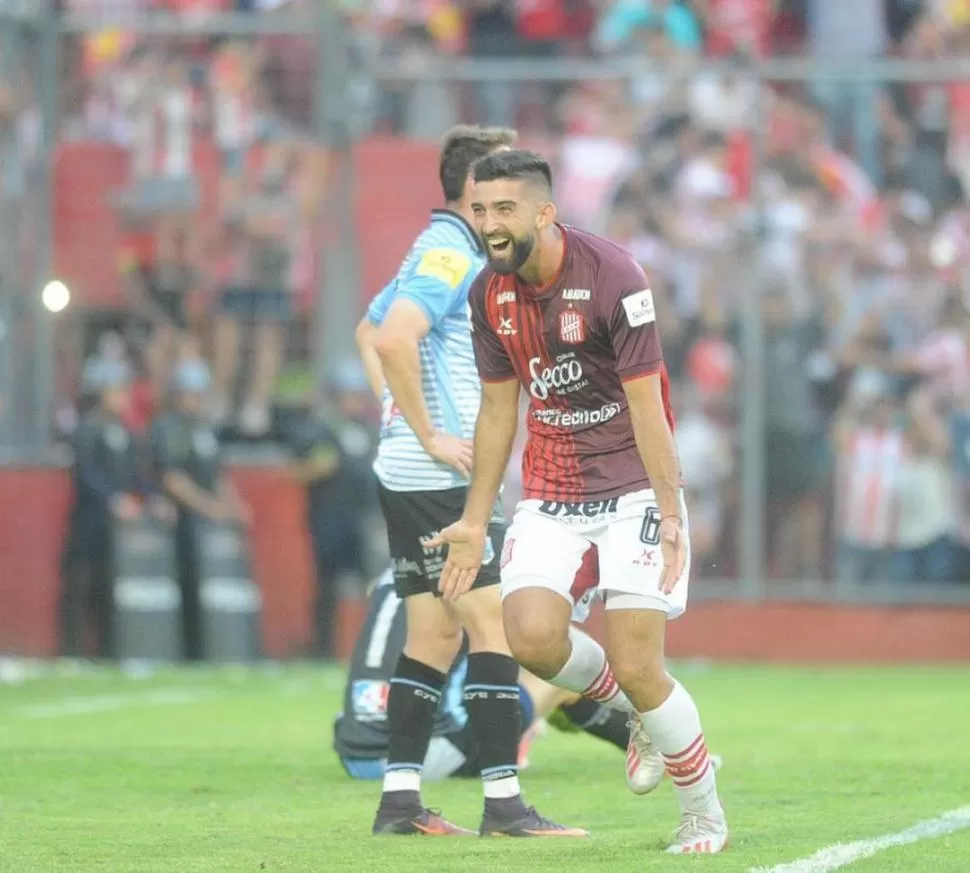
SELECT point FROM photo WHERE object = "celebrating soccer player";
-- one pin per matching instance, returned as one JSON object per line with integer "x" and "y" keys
{"x": 570, "y": 316}
{"x": 416, "y": 338}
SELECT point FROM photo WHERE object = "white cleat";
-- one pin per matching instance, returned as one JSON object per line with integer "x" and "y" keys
{"x": 644, "y": 764}
{"x": 700, "y": 835}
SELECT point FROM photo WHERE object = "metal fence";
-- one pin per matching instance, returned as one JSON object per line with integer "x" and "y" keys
{"x": 767, "y": 294}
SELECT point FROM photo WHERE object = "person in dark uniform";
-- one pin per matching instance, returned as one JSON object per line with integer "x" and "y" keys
{"x": 107, "y": 486}
{"x": 360, "y": 732}
{"x": 188, "y": 462}
{"x": 333, "y": 454}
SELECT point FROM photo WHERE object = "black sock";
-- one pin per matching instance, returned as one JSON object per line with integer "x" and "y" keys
{"x": 598, "y": 720}
{"x": 492, "y": 701}
{"x": 411, "y": 706}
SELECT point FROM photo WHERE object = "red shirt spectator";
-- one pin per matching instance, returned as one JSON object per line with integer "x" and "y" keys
{"x": 542, "y": 20}
{"x": 739, "y": 26}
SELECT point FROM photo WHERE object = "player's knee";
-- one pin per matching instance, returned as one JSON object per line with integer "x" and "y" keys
{"x": 643, "y": 678}
{"x": 434, "y": 645}
{"x": 537, "y": 642}
{"x": 480, "y": 612}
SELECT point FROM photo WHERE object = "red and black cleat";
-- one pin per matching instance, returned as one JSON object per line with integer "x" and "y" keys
{"x": 422, "y": 822}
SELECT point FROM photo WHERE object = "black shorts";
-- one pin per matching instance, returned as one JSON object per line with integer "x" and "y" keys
{"x": 413, "y": 517}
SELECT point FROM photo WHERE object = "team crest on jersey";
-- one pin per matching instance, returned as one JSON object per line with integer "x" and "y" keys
{"x": 572, "y": 327}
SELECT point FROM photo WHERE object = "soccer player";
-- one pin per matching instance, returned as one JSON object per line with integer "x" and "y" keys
{"x": 570, "y": 317}
{"x": 360, "y": 731}
{"x": 415, "y": 337}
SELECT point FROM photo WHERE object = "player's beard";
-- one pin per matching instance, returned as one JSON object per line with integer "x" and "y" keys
{"x": 513, "y": 258}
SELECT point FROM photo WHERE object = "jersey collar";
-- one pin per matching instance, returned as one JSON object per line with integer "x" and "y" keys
{"x": 459, "y": 222}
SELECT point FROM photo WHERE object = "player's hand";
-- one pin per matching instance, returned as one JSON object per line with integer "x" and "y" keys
{"x": 451, "y": 450}
{"x": 673, "y": 547}
{"x": 466, "y": 549}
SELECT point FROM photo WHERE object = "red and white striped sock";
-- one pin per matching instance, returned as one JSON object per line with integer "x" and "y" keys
{"x": 587, "y": 672}
{"x": 674, "y": 727}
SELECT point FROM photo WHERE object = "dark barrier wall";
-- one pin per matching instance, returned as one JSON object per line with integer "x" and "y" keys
{"x": 33, "y": 509}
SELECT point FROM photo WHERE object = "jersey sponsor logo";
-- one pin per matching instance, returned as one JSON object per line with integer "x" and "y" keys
{"x": 563, "y": 377}
{"x": 572, "y": 327}
{"x": 639, "y": 308}
{"x": 589, "y": 509}
{"x": 368, "y": 697}
{"x": 575, "y": 294}
{"x": 505, "y": 327}
{"x": 570, "y": 418}
{"x": 505, "y": 297}
{"x": 446, "y": 265}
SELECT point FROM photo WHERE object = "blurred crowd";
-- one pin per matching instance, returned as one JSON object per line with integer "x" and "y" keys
{"x": 842, "y": 205}
{"x": 235, "y": 266}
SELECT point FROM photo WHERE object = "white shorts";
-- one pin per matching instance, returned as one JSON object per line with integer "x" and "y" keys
{"x": 546, "y": 543}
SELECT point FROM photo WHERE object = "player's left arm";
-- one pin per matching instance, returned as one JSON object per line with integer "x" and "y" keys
{"x": 639, "y": 363}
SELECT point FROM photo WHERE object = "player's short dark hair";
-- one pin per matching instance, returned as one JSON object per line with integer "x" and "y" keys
{"x": 515, "y": 164}
{"x": 461, "y": 147}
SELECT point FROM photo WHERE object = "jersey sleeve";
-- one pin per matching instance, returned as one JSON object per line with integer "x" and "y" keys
{"x": 438, "y": 282}
{"x": 377, "y": 310}
{"x": 494, "y": 364}
{"x": 632, "y": 323}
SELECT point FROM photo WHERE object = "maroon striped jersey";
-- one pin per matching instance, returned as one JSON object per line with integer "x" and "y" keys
{"x": 572, "y": 344}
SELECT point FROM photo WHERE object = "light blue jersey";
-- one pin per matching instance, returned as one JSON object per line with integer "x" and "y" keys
{"x": 436, "y": 275}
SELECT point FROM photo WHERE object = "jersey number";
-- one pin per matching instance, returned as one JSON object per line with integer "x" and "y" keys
{"x": 650, "y": 532}
{"x": 381, "y": 631}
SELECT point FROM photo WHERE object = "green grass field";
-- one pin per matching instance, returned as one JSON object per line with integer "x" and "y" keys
{"x": 209, "y": 771}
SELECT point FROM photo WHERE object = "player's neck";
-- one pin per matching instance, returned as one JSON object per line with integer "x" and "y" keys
{"x": 546, "y": 260}
{"x": 462, "y": 209}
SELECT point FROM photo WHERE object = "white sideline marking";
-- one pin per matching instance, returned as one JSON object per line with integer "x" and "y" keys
{"x": 110, "y": 702}
{"x": 841, "y": 854}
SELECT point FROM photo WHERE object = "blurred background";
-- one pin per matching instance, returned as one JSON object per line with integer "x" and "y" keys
{"x": 199, "y": 197}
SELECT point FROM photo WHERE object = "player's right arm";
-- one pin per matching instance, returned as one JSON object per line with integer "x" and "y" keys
{"x": 421, "y": 301}
{"x": 373, "y": 369}
{"x": 495, "y": 428}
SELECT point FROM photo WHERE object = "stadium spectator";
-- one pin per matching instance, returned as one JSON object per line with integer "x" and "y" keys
{"x": 491, "y": 27}
{"x": 262, "y": 229}
{"x": 792, "y": 431}
{"x": 189, "y": 463}
{"x": 333, "y": 454}
{"x": 926, "y": 507}
{"x": 850, "y": 33}
{"x": 107, "y": 487}
{"x": 960, "y": 463}
{"x": 869, "y": 447}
